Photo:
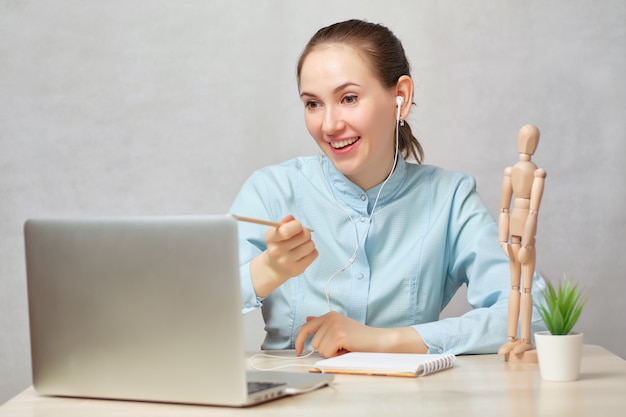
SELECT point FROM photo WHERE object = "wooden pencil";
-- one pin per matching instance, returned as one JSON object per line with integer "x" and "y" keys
{"x": 258, "y": 221}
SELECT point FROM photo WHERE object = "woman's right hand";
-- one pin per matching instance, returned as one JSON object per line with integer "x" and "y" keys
{"x": 289, "y": 252}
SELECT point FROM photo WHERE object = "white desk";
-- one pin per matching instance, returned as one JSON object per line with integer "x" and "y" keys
{"x": 478, "y": 386}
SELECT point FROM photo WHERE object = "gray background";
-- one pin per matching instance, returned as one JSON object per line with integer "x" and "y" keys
{"x": 165, "y": 107}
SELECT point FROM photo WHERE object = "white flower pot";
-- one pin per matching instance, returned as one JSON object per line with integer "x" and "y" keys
{"x": 559, "y": 355}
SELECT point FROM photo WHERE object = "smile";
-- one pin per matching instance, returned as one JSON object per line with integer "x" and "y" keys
{"x": 343, "y": 143}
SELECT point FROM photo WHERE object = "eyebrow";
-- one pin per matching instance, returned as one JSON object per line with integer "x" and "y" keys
{"x": 335, "y": 90}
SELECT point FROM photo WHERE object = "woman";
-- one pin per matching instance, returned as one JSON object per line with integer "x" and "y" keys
{"x": 391, "y": 241}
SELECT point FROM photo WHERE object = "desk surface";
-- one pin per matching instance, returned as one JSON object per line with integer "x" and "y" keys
{"x": 481, "y": 385}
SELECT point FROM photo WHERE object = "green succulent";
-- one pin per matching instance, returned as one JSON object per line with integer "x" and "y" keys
{"x": 561, "y": 306}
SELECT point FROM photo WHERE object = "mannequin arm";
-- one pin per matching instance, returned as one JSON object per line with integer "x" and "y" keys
{"x": 530, "y": 228}
{"x": 505, "y": 206}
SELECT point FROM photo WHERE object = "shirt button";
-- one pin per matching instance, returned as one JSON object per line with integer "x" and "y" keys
{"x": 359, "y": 276}
{"x": 363, "y": 197}
{"x": 363, "y": 219}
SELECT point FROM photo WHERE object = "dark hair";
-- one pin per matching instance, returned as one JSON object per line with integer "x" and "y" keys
{"x": 386, "y": 56}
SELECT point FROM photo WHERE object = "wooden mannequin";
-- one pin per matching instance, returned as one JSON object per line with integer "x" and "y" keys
{"x": 524, "y": 184}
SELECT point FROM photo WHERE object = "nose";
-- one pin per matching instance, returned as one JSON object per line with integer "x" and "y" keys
{"x": 332, "y": 122}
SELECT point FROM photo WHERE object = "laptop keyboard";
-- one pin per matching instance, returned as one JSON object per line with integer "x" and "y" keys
{"x": 256, "y": 386}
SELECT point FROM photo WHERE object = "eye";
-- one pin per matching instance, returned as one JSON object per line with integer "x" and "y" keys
{"x": 349, "y": 99}
{"x": 311, "y": 104}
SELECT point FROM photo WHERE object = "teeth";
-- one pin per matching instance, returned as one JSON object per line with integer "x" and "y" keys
{"x": 343, "y": 143}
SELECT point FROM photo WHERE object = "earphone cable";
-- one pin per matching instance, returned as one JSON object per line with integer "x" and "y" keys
{"x": 369, "y": 224}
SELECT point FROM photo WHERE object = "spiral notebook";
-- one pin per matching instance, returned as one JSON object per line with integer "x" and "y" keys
{"x": 385, "y": 364}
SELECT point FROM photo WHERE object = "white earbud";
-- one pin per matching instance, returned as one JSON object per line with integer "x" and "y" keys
{"x": 399, "y": 102}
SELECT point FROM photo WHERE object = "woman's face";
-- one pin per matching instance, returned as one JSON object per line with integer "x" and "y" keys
{"x": 349, "y": 113}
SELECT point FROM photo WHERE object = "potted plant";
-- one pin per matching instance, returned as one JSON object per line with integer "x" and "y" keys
{"x": 559, "y": 350}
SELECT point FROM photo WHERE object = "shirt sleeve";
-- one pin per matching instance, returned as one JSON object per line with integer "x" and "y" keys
{"x": 255, "y": 199}
{"x": 251, "y": 237}
{"x": 477, "y": 260}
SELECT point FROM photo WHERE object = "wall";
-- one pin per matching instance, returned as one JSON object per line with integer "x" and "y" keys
{"x": 162, "y": 107}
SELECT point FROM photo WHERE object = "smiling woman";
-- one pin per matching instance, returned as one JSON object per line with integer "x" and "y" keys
{"x": 393, "y": 240}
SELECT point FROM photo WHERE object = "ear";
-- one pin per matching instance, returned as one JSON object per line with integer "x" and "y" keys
{"x": 404, "y": 89}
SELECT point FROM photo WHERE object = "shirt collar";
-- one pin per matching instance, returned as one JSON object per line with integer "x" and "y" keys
{"x": 352, "y": 194}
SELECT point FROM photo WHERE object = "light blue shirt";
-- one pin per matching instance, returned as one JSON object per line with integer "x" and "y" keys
{"x": 430, "y": 233}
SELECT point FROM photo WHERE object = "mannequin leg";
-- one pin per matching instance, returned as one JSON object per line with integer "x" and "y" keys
{"x": 526, "y": 306}
{"x": 514, "y": 298}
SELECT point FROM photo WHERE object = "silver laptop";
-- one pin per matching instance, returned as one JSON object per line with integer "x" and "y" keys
{"x": 143, "y": 308}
